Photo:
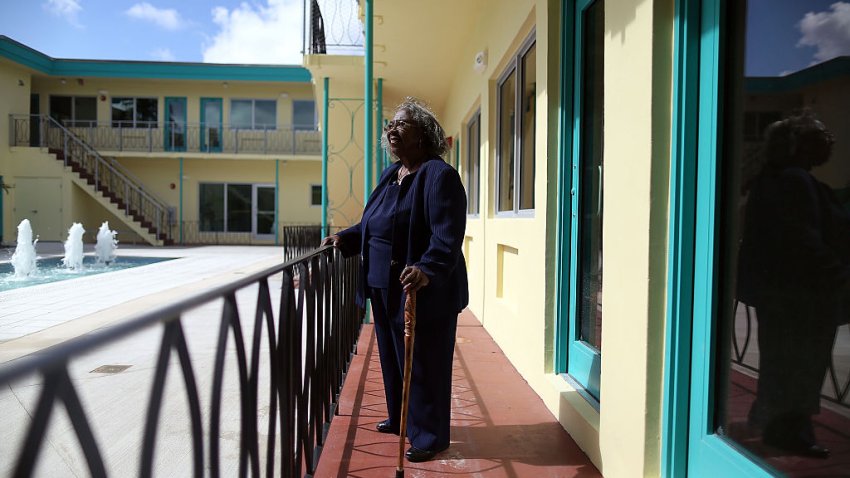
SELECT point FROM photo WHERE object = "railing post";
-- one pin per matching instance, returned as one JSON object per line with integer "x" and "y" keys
{"x": 266, "y": 140}
{"x": 65, "y": 147}
{"x": 41, "y": 140}
{"x": 120, "y": 136}
{"x": 150, "y": 138}
{"x": 236, "y": 140}
{"x": 293, "y": 139}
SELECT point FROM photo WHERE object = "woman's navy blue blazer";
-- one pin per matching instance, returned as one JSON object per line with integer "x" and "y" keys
{"x": 433, "y": 242}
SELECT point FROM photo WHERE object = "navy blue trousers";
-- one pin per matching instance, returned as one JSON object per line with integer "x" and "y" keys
{"x": 429, "y": 411}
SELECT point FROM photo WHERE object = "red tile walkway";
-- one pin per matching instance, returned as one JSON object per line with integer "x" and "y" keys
{"x": 500, "y": 427}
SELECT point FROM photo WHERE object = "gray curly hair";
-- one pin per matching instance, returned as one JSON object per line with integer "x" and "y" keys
{"x": 433, "y": 136}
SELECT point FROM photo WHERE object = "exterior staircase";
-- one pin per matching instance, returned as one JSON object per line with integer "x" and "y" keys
{"x": 108, "y": 182}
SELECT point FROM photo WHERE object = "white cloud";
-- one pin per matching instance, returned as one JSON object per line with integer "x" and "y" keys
{"x": 828, "y": 32}
{"x": 69, "y": 9}
{"x": 167, "y": 18}
{"x": 258, "y": 34}
{"x": 163, "y": 54}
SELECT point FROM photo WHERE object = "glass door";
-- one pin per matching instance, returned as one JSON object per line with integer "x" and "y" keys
{"x": 580, "y": 352}
{"x": 175, "y": 124}
{"x": 771, "y": 347}
{"x": 211, "y": 118}
{"x": 264, "y": 222}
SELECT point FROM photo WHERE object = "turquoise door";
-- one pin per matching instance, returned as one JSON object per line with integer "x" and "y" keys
{"x": 211, "y": 126}
{"x": 579, "y": 346}
{"x": 175, "y": 124}
{"x": 758, "y": 333}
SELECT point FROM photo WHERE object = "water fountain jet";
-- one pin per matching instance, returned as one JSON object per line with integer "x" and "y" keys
{"x": 74, "y": 247}
{"x": 24, "y": 258}
{"x": 106, "y": 244}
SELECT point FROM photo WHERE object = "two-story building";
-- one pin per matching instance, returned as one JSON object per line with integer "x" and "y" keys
{"x": 167, "y": 153}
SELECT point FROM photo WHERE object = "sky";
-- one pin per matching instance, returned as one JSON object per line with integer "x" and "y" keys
{"x": 214, "y": 31}
{"x": 796, "y": 34}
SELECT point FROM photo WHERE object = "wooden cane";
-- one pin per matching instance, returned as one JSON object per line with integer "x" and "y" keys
{"x": 409, "y": 335}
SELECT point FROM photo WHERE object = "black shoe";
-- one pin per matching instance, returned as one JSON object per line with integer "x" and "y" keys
{"x": 415, "y": 455}
{"x": 385, "y": 427}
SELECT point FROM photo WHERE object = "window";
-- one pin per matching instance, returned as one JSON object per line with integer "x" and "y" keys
{"x": 253, "y": 114}
{"x": 473, "y": 162}
{"x": 226, "y": 207}
{"x": 516, "y": 104}
{"x": 134, "y": 112}
{"x": 74, "y": 111}
{"x": 767, "y": 239}
{"x": 315, "y": 194}
{"x": 304, "y": 115}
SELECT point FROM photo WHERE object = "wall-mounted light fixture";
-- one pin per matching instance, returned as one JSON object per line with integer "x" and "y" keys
{"x": 102, "y": 94}
{"x": 63, "y": 81}
{"x": 284, "y": 95}
{"x": 224, "y": 84}
{"x": 20, "y": 82}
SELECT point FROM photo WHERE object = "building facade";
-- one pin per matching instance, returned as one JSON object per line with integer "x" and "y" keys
{"x": 167, "y": 153}
{"x": 607, "y": 148}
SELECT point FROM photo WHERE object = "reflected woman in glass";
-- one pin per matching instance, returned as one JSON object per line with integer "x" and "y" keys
{"x": 794, "y": 268}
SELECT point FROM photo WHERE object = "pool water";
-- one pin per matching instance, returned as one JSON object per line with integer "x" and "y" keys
{"x": 51, "y": 270}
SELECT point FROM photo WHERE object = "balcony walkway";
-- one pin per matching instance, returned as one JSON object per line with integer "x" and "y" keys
{"x": 500, "y": 427}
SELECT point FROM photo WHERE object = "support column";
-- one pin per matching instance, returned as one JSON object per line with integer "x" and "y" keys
{"x": 367, "y": 105}
{"x": 325, "y": 107}
{"x": 180, "y": 208}
{"x": 276, "y": 202}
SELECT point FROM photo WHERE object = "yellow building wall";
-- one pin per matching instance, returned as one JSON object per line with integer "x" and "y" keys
{"x": 508, "y": 256}
{"x": 14, "y": 99}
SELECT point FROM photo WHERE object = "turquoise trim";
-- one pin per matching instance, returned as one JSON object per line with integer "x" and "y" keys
{"x": 708, "y": 453}
{"x": 379, "y": 123}
{"x": 563, "y": 255}
{"x": 325, "y": 108}
{"x": 582, "y": 365}
{"x": 28, "y": 57}
{"x": 367, "y": 105}
{"x": 674, "y": 443}
{"x": 180, "y": 208}
{"x": 828, "y": 70}
{"x": 276, "y": 201}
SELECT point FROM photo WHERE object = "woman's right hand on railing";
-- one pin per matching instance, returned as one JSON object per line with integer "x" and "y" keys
{"x": 332, "y": 240}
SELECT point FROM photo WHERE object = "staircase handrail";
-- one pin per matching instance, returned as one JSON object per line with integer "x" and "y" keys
{"x": 157, "y": 204}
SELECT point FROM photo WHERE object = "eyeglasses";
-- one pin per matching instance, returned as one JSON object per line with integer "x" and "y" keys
{"x": 398, "y": 124}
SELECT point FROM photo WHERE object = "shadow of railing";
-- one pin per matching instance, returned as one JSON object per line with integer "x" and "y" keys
{"x": 302, "y": 359}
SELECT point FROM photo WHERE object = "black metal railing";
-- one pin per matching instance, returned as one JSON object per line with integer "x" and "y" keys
{"x": 332, "y": 26}
{"x": 154, "y": 137}
{"x": 745, "y": 354}
{"x": 297, "y": 239}
{"x": 302, "y": 358}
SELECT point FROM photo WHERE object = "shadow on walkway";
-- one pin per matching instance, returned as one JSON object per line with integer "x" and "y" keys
{"x": 500, "y": 427}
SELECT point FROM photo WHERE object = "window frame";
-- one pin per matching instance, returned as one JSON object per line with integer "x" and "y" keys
{"x": 74, "y": 121}
{"x": 514, "y": 66}
{"x": 135, "y": 123}
{"x": 470, "y": 168}
{"x": 312, "y": 188}
{"x": 254, "y": 126}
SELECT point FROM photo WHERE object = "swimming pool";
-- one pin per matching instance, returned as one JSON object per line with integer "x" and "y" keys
{"x": 50, "y": 269}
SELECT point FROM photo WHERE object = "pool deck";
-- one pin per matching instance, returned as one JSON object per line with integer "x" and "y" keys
{"x": 32, "y": 318}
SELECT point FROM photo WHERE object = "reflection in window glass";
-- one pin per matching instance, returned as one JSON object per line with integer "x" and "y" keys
{"x": 304, "y": 115}
{"x": 85, "y": 110}
{"x": 529, "y": 105}
{"x": 473, "y": 159}
{"x": 241, "y": 114}
{"x": 239, "y": 207}
{"x": 265, "y": 114}
{"x": 315, "y": 195}
{"x": 211, "y": 213}
{"x": 784, "y": 240}
{"x": 590, "y": 181}
{"x": 134, "y": 112}
{"x": 265, "y": 209}
{"x": 507, "y": 113}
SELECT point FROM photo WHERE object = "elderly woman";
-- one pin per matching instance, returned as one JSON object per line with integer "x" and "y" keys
{"x": 410, "y": 238}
